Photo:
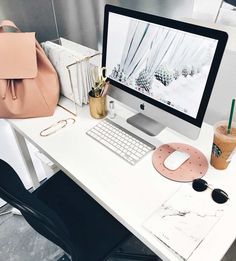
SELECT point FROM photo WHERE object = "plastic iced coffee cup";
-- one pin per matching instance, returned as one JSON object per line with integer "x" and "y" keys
{"x": 224, "y": 145}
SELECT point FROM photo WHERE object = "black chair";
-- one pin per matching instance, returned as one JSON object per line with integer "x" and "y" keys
{"x": 66, "y": 215}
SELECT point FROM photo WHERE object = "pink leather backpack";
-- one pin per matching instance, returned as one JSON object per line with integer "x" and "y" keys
{"x": 29, "y": 85}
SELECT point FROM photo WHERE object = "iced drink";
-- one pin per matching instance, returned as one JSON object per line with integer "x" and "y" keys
{"x": 223, "y": 145}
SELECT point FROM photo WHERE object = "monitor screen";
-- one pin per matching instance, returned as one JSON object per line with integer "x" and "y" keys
{"x": 169, "y": 64}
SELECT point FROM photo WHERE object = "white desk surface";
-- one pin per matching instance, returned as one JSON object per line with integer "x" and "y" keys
{"x": 130, "y": 193}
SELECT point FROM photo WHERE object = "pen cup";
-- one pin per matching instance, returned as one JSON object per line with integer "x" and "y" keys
{"x": 97, "y": 106}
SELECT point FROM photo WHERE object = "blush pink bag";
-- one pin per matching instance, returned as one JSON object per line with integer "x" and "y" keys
{"x": 29, "y": 85}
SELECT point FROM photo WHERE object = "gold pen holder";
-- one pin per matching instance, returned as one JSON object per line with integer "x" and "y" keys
{"x": 97, "y": 106}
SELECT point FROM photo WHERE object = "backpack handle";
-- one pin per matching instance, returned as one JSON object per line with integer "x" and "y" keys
{"x": 7, "y": 23}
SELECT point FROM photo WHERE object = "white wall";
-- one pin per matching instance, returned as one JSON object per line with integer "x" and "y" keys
{"x": 225, "y": 85}
{"x": 206, "y": 10}
{"x": 224, "y": 90}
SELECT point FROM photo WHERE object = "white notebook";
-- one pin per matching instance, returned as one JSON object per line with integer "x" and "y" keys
{"x": 184, "y": 220}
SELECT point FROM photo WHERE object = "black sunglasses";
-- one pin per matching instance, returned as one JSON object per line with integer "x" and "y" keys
{"x": 218, "y": 195}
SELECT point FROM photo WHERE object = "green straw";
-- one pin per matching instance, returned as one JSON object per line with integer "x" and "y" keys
{"x": 231, "y": 116}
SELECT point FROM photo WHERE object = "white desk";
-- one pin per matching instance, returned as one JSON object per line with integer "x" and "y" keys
{"x": 129, "y": 193}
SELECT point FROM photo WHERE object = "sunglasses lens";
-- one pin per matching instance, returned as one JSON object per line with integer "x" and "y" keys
{"x": 199, "y": 185}
{"x": 219, "y": 196}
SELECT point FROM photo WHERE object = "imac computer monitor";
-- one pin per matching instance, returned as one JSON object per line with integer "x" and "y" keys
{"x": 162, "y": 68}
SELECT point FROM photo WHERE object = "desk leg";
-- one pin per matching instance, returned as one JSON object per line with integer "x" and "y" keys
{"x": 21, "y": 143}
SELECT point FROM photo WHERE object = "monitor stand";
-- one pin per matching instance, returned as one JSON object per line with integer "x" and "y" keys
{"x": 145, "y": 124}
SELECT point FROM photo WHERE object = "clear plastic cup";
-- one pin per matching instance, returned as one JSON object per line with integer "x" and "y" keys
{"x": 223, "y": 145}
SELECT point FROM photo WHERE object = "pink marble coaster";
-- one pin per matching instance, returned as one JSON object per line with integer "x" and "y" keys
{"x": 195, "y": 167}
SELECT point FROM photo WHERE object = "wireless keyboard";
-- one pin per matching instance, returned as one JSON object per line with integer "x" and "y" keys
{"x": 119, "y": 140}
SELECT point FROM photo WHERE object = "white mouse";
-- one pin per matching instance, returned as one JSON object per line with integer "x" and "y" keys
{"x": 176, "y": 159}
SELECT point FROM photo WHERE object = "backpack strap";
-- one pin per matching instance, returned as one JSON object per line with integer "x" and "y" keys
{"x": 7, "y": 23}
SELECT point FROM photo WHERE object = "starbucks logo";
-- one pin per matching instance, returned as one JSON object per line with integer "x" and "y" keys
{"x": 216, "y": 151}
